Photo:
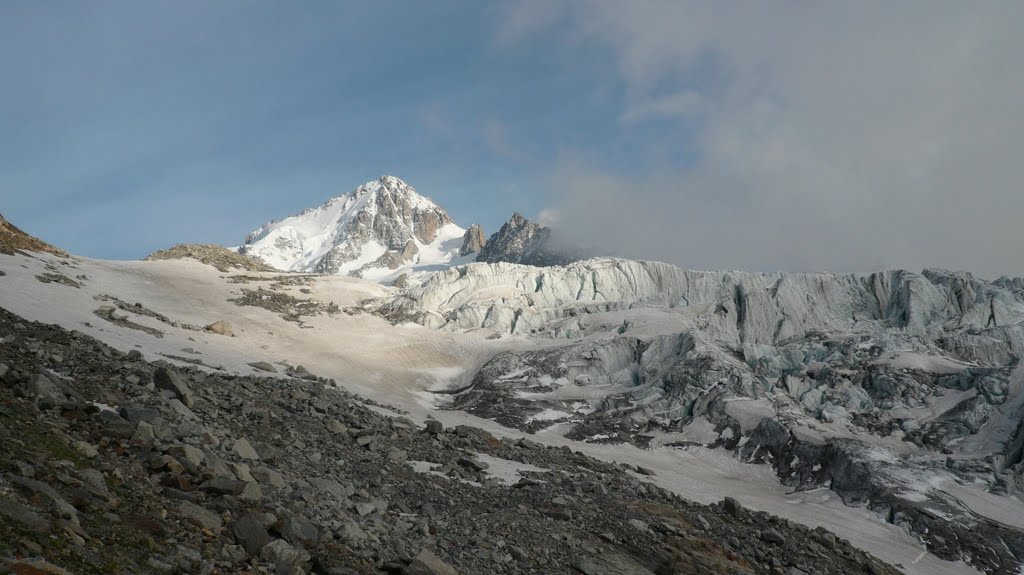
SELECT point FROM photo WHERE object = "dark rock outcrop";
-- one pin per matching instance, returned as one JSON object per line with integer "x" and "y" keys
{"x": 521, "y": 241}
{"x": 473, "y": 241}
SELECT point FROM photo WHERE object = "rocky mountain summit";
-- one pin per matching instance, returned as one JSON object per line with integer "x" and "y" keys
{"x": 110, "y": 463}
{"x": 520, "y": 241}
{"x": 379, "y": 227}
{"x": 384, "y": 229}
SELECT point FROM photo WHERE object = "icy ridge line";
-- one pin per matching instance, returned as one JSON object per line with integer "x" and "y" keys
{"x": 743, "y": 307}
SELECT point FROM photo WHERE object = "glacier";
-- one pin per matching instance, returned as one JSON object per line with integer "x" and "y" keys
{"x": 901, "y": 391}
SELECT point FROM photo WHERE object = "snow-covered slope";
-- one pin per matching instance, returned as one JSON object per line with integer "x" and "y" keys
{"x": 379, "y": 230}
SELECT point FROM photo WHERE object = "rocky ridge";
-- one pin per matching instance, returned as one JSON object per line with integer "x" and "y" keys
{"x": 114, "y": 464}
{"x": 219, "y": 257}
{"x": 520, "y": 241}
{"x": 12, "y": 239}
{"x": 473, "y": 241}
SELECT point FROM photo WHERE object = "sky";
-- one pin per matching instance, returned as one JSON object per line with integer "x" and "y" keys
{"x": 764, "y": 135}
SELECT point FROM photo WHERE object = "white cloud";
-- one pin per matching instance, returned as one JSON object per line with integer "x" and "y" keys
{"x": 833, "y": 135}
{"x": 549, "y": 217}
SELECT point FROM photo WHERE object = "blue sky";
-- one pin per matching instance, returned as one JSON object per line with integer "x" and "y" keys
{"x": 776, "y": 135}
{"x": 133, "y": 125}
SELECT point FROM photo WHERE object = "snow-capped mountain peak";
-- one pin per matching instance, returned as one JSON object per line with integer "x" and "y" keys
{"x": 377, "y": 230}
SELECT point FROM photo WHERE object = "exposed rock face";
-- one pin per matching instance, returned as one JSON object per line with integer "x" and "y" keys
{"x": 370, "y": 227}
{"x": 521, "y": 241}
{"x": 880, "y": 386}
{"x": 211, "y": 254}
{"x": 393, "y": 260}
{"x": 12, "y": 238}
{"x": 473, "y": 241}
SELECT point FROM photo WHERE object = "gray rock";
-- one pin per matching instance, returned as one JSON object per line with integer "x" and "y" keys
{"x": 251, "y": 492}
{"x": 269, "y": 477}
{"x": 426, "y": 563}
{"x": 732, "y": 507}
{"x": 330, "y": 486}
{"x": 94, "y": 480}
{"x": 397, "y": 456}
{"x": 242, "y": 472}
{"x": 56, "y": 501}
{"x": 200, "y": 515}
{"x": 23, "y": 516}
{"x": 280, "y": 552}
{"x": 263, "y": 366}
{"x": 216, "y": 465}
{"x": 193, "y": 455}
{"x": 224, "y": 486}
{"x": 639, "y": 525}
{"x": 364, "y": 508}
{"x": 45, "y": 392}
{"x": 244, "y": 449}
{"x": 336, "y": 427}
{"x": 473, "y": 240}
{"x": 299, "y": 531}
{"x": 221, "y": 328}
{"x": 182, "y": 410}
{"x": 473, "y": 464}
{"x": 434, "y": 426}
{"x": 166, "y": 378}
{"x": 350, "y": 532}
{"x": 250, "y": 533}
{"x": 86, "y": 449}
{"x": 517, "y": 553}
{"x": 137, "y": 414}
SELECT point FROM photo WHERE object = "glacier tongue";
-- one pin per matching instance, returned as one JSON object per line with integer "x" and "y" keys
{"x": 379, "y": 230}
{"x": 896, "y": 389}
{"x": 739, "y": 308}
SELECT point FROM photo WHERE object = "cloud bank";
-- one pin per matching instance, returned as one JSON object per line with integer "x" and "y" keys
{"x": 838, "y": 136}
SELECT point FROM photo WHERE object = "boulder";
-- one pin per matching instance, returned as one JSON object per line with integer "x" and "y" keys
{"x": 44, "y": 391}
{"x": 168, "y": 379}
{"x": 221, "y": 328}
{"x": 200, "y": 515}
{"x": 244, "y": 449}
{"x": 426, "y": 563}
{"x": 250, "y": 533}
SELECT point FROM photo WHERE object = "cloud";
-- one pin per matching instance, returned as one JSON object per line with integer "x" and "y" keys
{"x": 844, "y": 136}
{"x": 548, "y": 217}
